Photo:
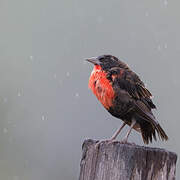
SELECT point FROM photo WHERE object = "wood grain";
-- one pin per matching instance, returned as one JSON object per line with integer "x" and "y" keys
{"x": 117, "y": 161}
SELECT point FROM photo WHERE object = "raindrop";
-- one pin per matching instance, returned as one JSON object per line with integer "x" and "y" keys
{"x": 68, "y": 74}
{"x": 5, "y": 130}
{"x": 165, "y": 46}
{"x": 165, "y": 3}
{"x": 146, "y": 13}
{"x": 77, "y": 95}
{"x": 159, "y": 48}
{"x": 31, "y": 58}
{"x": 19, "y": 94}
{"x": 43, "y": 117}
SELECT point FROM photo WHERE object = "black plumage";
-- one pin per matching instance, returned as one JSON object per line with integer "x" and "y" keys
{"x": 132, "y": 99}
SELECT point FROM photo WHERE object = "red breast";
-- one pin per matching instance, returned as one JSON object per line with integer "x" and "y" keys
{"x": 101, "y": 87}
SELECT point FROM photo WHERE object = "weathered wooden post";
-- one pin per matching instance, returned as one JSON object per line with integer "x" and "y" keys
{"x": 117, "y": 161}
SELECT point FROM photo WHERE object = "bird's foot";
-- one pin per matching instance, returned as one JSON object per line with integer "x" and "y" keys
{"x": 124, "y": 141}
{"x": 108, "y": 141}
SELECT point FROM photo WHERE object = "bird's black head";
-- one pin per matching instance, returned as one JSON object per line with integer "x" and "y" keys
{"x": 105, "y": 61}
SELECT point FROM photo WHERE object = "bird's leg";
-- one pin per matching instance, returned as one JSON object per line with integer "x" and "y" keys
{"x": 117, "y": 132}
{"x": 127, "y": 135}
{"x": 113, "y": 137}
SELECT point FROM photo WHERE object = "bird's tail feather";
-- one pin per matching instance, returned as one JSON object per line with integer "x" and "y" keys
{"x": 151, "y": 124}
{"x": 162, "y": 135}
{"x": 150, "y": 130}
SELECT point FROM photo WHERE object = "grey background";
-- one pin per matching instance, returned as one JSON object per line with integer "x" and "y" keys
{"x": 46, "y": 109}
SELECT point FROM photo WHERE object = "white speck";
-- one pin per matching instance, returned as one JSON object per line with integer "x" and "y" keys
{"x": 159, "y": 48}
{"x": 31, "y": 58}
{"x": 43, "y": 117}
{"x": 5, "y": 100}
{"x": 55, "y": 76}
{"x": 19, "y": 94}
{"x": 68, "y": 74}
{"x": 165, "y": 3}
{"x": 99, "y": 19}
{"x": 146, "y": 13}
{"x": 5, "y": 130}
{"x": 77, "y": 95}
{"x": 165, "y": 46}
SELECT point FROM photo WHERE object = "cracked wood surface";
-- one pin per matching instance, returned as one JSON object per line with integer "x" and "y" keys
{"x": 117, "y": 161}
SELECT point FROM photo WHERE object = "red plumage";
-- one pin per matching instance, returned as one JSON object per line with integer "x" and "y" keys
{"x": 101, "y": 86}
{"x": 125, "y": 96}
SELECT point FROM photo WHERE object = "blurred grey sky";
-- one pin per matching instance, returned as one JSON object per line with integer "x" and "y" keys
{"x": 46, "y": 109}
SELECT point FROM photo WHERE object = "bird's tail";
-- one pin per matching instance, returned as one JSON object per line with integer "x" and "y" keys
{"x": 162, "y": 135}
{"x": 148, "y": 123}
{"x": 149, "y": 132}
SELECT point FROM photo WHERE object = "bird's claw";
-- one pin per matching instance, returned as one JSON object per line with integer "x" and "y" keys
{"x": 124, "y": 141}
{"x": 108, "y": 141}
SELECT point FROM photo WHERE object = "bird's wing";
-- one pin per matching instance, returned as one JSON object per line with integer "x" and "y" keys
{"x": 132, "y": 90}
{"x": 130, "y": 82}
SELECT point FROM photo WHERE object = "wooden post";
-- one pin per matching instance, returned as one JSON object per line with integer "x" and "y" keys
{"x": 117, "y": 161}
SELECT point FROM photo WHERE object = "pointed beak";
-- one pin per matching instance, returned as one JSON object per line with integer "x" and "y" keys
{"x": 93, "y": 60}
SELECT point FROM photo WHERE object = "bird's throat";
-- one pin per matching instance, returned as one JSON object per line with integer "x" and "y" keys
{"x": 101, "y": 87}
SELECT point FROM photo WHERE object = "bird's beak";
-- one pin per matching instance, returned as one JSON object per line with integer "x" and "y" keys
{"x": 93, "y": 60}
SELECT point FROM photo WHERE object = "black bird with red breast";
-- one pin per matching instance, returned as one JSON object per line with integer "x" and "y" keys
{"x": 125, "y": 96}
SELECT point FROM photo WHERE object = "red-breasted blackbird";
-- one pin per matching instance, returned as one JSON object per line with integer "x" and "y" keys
{"x": 125, "y": 96}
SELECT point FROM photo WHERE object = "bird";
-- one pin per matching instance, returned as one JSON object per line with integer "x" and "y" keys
{"x": 124, "y": 96}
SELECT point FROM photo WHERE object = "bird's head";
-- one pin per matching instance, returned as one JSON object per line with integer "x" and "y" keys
{"x": 104, "y": 62}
